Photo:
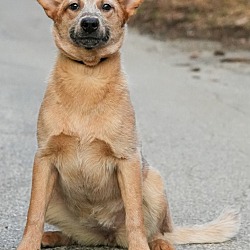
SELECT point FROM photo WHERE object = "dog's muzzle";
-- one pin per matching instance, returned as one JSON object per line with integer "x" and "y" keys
{"x": 89, "y": 33}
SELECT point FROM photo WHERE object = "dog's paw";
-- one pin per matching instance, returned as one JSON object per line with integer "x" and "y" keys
{"x": 55, "y": 239}
{"x": 160, "y": 245}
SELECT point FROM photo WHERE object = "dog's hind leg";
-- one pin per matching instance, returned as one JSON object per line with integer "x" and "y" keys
{"x": 157, "y": 218}
{"x": 56, "y": 239}
{"x": 156, "y": 209}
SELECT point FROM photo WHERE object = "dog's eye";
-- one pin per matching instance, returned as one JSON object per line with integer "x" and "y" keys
{"x": 74, "y": 6}
{"x": 106, "y": 7}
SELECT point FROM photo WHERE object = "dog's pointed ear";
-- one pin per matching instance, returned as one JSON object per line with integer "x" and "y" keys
{"x": 50, "y": 7}
{"x": 131, "y": 6}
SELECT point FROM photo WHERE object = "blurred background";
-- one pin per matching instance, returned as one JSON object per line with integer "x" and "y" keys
{"x": 227, "y": 21}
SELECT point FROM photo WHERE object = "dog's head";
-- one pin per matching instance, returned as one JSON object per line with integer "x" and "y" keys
{"x": 89, "y": 30}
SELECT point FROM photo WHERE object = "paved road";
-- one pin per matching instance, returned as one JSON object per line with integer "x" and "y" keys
{"x": 193, "y": 117}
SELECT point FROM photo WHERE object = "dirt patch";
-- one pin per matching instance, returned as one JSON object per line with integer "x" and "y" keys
{"x": 227, "y": 21}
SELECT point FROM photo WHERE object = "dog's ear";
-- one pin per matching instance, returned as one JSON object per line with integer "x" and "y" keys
{"x": 50, "y": 7}
{"x": 131, "y": 6}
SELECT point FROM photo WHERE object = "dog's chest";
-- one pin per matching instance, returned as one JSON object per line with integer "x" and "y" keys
{"x": 87, "y": 170}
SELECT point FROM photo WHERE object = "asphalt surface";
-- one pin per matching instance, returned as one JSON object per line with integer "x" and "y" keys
{"x": 193, "y": 117}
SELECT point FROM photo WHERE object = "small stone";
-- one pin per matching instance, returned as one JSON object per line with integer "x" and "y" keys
{"x": 196, "y": 69}
{"x": 195, "y": 55}
{"x": 219, "y": 53}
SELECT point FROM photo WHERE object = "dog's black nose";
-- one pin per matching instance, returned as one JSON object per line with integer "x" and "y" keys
{"x": 90, "y": 24}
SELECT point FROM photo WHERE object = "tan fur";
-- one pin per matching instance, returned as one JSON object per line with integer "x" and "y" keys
{"x": 89, "y": 179}
{"x": 221, "y": 229}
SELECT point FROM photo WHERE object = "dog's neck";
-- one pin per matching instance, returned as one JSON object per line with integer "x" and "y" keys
{"x": 84, "y": 86}
{"x": 82, "y": 62}
{"x": 89, "y": 59}
{"x": 113, "y": 59}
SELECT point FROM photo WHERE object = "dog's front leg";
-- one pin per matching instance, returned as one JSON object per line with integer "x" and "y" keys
{"x": 130, "y": 182}
{"x": 43, "y": 179}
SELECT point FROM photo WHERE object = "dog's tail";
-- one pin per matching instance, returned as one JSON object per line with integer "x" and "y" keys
{"x": 221, "y": 229}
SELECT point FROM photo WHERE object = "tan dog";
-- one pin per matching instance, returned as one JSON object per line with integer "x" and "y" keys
{"x": 89, "y": 178}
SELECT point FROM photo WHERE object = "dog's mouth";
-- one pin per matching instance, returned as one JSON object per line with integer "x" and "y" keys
{"x": 89, "y": 41}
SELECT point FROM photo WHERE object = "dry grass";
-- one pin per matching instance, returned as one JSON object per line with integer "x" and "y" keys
{"x": 210, "y": 19}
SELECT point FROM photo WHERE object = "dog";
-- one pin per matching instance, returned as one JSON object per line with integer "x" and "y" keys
{"x": 89, "y": 177}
